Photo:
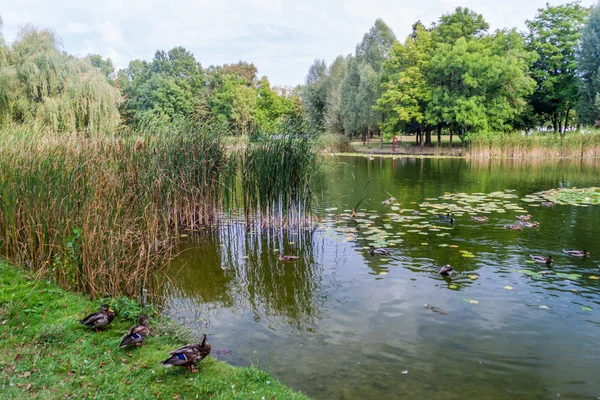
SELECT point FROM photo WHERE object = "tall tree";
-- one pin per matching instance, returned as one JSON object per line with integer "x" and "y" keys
{"x": 349, "y": 105}
{"x": 554, "y": 34}
{"x": 376, "y": 45}
{"x": 406, "y": 90}
{"x": 334, "y": 121}
{"x": 105, "y": 66}
{"x": 588, "y": 60}
{"x": 314, "y": 95}
{"x": 462, "y": 23}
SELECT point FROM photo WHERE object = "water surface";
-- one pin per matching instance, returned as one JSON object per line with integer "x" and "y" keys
{"x": 341, "y": 324}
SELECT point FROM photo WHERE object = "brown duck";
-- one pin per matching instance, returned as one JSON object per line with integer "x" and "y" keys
{"x": 137, "y": 334}
{"x": 188, "y": 355}
{"x": 100, "y": 319}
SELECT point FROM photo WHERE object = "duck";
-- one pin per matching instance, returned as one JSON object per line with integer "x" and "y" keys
{"x": 416, "y": 213}
{"x": 547, "y": 204}
{"x": 542, "y": 259}
{"x": 480, "y": 218}
{"x": 283, "y": 257}
{"x": 379, "y": 251}
{"x": 100, "y": 319}
{"x": 189, "y": 355}
{"x": 446, "y": 218}
{"x": 533, "y": 224}
{"x": 137, "y": 334}
{"x": 514, "y": 227}
{"x": 576, "y": 253}
{"x": 446, "y": 270}
{"x": 523, "y": 218}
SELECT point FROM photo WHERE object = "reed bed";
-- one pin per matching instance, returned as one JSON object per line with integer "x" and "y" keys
{"x": 279, "y": 171}
{"x": 100, "y": 214}
{"x": 572, "y": 145}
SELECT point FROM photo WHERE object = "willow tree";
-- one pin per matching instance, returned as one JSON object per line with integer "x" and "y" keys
{"x": 588, "y": 60}
{"x": 50, "y": 90}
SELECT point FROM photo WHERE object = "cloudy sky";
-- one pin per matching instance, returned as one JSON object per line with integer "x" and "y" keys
{"x": 281, "y": 37}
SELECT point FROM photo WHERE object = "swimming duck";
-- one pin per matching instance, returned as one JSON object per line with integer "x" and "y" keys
{"x": 524, "y": 217}
{"x": 480, "y": 219}
{"x": 138, "y": 333}
{"x": 188, "y": 355}
{"x": 416, "y": 213}
{"x": 446, "y": 218}
{"x": 446, "y": 270}
{"x": 514, "y": 227}
{"x": 283, "y": 257}
{"x": 100, "y": 319}
{"x": 576, "y": 253}
{"x": 547, "y": 204}
{"x": 533, "y": 224}
{"x": 542, "y": 259}
{"x": 381, "y": 252}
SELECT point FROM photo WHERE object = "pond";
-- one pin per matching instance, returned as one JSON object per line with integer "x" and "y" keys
{"x": 339, "y": 323}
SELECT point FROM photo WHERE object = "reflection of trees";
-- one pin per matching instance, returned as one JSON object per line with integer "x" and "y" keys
{"x": 239, "y": 269}
{"x": 287, "y": 289}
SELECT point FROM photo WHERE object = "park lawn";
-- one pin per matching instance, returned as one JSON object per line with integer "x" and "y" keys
{"x": 46, "y": 353}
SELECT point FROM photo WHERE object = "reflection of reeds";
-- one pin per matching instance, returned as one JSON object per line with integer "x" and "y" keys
{"x": 98, "y": 214}
{"x": 537, "y": 145}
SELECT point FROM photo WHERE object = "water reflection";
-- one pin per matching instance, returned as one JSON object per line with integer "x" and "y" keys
{"x": 339, "y": 323}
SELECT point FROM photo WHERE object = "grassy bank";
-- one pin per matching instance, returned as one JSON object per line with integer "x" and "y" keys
{"x": 45, "y": 353}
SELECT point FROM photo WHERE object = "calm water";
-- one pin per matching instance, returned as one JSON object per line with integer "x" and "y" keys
{"x": 341, "y": 324}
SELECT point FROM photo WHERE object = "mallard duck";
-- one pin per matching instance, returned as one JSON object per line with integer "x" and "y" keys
{"x": 480, "y": 219}
{"x": 188, "y": 355}
{"x": 542, "y": 259}
{"x": 524, "y": 217}
{"x": 283, "y": 257}
{"x": 576, "y": 253}
{"x": 533, "y": 224}
{"x": 514, "y": 227}
{"x": 379, "y": 251}
{"x": 547, "y": 204}
{"x": 446, "y": 270}
{"x": 446, "y": 218}
{"x": 416, "y": 213}
{"x": 100, "y": 319}
{"x": 137, "y": 334}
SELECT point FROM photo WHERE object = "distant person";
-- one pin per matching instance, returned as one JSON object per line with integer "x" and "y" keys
{"x": 394, "y": 142}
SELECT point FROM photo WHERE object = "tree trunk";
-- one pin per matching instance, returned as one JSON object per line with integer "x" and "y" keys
{"x": 417, "y": 135}
{"x": 428, "y": 136}
{"x": 380, "y": 141}
{"x": 368, "y": 138}
{"x": 566, "y": 121}
{"x": 451, "y": 133}
{"x": 554, "y": 124}
{"x": 439, "y": 133}
{"x": 559, "y": 125}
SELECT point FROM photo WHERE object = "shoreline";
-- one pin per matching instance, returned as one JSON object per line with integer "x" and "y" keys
{"x": 45, "y": 352}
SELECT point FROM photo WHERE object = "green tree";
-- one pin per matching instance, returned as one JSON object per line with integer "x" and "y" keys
{"x": 43, "y": 86}
{"x": 588, "y": 60}
{"x": 554, "y": 34}
{"x": 334, "y": 121}
{"x": 313, "y": 94}
{"x": 348, "y": 98}
{"x": 406, "y": 90}
{"x": 105, "y": 66}
{"x": 376, "y": 45}
{"x": 462, "y": 23}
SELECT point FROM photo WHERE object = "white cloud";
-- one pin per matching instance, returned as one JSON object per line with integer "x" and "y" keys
{"x": 282, "y": 37}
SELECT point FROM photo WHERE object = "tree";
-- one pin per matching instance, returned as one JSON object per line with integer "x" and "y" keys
{"x": 48, "y": 89}
{"x": 406, "y": 90}
{"x": 105, "y": 67}
{"x": 313, "y": 94}
{"x": 554, "y": 34}
{"x": 334, "y": 121}
{"x": 376, "y": 45}
{"x": 588, "y": 60}
{"x": 480, "y": 85}
{"x": 462, "y": 23}
{"x": 348, "y": 102}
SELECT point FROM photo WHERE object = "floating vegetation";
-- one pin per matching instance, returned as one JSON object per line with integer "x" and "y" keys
{"x": 566, "y": 196}
{"x": 474, "y": 204}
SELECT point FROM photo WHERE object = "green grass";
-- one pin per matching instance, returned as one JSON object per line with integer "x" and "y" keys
{"x": 46, "y": 353}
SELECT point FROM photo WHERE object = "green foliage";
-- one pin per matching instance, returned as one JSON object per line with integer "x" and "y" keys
{"x": 375, "y": 46}
{"x": 48, "y": 89}
{"x": 334, "y": 120}
{"x": 314, "y": 94}
{"x": 588, "y": 60}
{"x": 105, "y": 67}
{"x": 554, "y": 35}
{"x": 462, "y": 23}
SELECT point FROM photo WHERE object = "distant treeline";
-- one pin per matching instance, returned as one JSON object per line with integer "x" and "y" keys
{"x": 47, "y": 89}
{"x": 457, "y": 76}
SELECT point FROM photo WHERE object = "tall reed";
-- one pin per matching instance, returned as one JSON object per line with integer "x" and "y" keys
{"x": 99, "y": 214}
{"x": 576, "y": 144}
{"x": 279, "y": 171}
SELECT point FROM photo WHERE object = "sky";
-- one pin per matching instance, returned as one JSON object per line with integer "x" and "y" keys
{"x": 281, "y": 37}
